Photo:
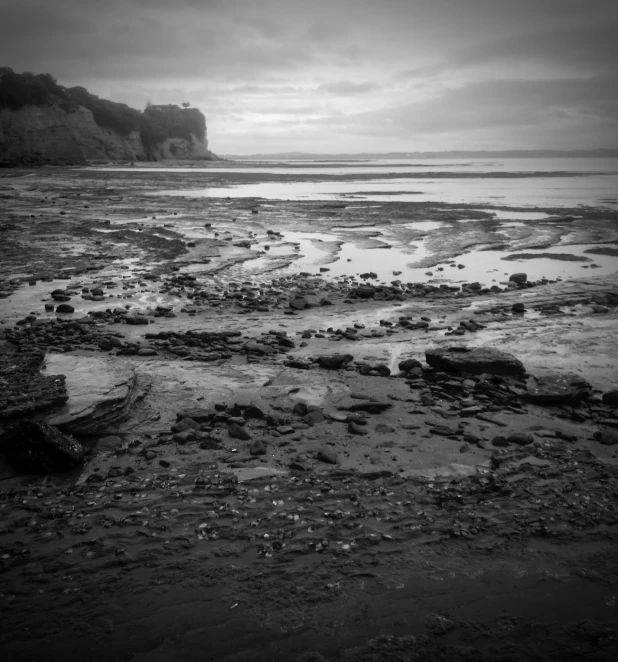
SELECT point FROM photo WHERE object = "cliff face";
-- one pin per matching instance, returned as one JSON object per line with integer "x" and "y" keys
{"x": 49, "y": 134}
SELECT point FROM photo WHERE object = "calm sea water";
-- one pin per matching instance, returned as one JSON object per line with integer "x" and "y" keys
{"x": 592, "y": 182}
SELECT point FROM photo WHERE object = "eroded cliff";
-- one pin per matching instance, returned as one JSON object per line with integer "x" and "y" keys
{"x": 42, "y": 122}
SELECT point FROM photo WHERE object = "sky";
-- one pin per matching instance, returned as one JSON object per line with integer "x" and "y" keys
{"x": 328, "y": 76}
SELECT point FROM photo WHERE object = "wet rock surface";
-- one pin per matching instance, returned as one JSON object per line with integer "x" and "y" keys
{"x": 334, "y": 479}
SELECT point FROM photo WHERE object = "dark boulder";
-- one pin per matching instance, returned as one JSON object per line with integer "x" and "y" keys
{"x": 65, "y": 308}
{"x": 477, "y": 360}
{"x": 40, "y": 448}
{"x": 365, "y": 291}
{"x": 611, "y": 398}
{"x": 518, "y": 278}
{"x": 409, "y": 364}
{"x": 334, "y": 361}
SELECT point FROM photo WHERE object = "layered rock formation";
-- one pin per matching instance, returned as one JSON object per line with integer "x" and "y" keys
{"x": 71, "y": 126}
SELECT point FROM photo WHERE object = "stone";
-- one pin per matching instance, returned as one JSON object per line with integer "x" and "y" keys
{"x": 185, "y": 436}
{"x": 611, "y": 398}
{"x": 365, "y": 291}
{"x": 185, "y": 424}
{"x": 334, "y": 361}
{"x": 146, "y": 351}
{"x": 409, "y": 364}
{"x": 300, "y": 303}
{"x": 258, "y": 447}
{"x": 557, "y": 388}
{"x": 313, "y": 417}
{"x": 477, "y": 360}
{"x": 500, "y": 441}
{"x": 109, "y": 443}
{"x": 299, "y": 409}
{"x": 252, "y": 412}
{"x": 518, "y": 307}
{"x": 355, "y": 428}
{"x": 36, "y": 447}
{"x": 238, "y": 432}
{"x": 65, "y": 308}
{"x": 198, "y": 415}
{"x": 130, "y": 319}
{"x": 606, "y": 437}
{"x": 370, "y": 406}
{"x": 518, "y": 278}
{"x": 327, "y": 455}
{"x": 520, "y": 438}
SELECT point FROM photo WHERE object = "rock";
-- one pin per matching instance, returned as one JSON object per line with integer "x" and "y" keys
{"x": 409, "y": 364}
{"x": 370, "y": 406}
{"x": 299, "y": 409}
{"x": 258, "y": 447}
{"x": 334, "y": 361}
{"x": 518, "y": 308}
{"x": 606, "y": 437}
{"x": 557, "y": 388}
{"x": 185, "y": 424}
{"x": 477, "y": 360}
{"x": 238, "y": 432}
{"x": 365, "y": 291}
{"x": 327, "y": 455}
{"x": 611, "y": 398}
{"x": 520, "y": 438}
{"x": 137, "y": 319}
{"x": 198, "y": 415}
{"x": 253, "y": 412}
{"x": 313, "y": 417}
{"x": 356, "y": 428}
{"x": 36, "y": 447}
{"x": 500, "y": 441}
{"x": 300, "y": 303}
{"x": 185, "y": 436}
{"x": 146, "y": 351}
{"x": 518, "y": 278}
{"x": 65, "y": 308}
{"x": 109, "y": 443}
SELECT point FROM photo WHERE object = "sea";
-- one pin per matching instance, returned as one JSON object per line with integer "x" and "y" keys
{"x": 510, "y": 182}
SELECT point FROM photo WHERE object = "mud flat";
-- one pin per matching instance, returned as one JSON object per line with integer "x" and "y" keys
{"x": 307, "y": 430}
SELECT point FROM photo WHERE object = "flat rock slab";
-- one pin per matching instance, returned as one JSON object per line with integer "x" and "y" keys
{"x": 98, "y": 389}
{"x": 557, "y": 388}
{"x": 474, "y": 360}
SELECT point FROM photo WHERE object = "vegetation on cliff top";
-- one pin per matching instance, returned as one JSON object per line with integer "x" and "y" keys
{"x": 155, "y": 124}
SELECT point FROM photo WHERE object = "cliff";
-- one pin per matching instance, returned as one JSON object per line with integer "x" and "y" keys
{"x": 42, "y": 122}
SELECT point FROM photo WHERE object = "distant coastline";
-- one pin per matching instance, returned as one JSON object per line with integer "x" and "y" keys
{"x": 452, "y": 154}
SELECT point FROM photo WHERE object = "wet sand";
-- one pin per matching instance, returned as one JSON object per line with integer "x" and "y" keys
{"x": 336, "y": 529}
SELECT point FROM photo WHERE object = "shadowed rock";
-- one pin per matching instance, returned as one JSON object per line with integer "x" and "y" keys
{"x": 557, "y": 388}
{"x": 40, "y": 448}
{"x": 477, "y": 360}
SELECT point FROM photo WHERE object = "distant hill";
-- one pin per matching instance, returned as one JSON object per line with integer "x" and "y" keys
{"x": 44, "y": 122}
{"x": 454, "y": 154}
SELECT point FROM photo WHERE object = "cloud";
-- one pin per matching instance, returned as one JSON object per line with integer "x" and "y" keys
{"x": 348, "y": 88}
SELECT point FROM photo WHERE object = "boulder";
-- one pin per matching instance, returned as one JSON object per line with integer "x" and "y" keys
{"x": 520, "y": 438}
{"x": 65, "y": 308}
{"x": 409, "y": 364}
{"x": 198, "y": 415}
{"x": 365, "y": 291}
{"x": 258, "y": 447}
{"x": 36, "y": 447}
{"x": 557, "y": 388}
{"x": 518, "y": 278}
{"x": 611, "y": 398}
{"x": 606, "y": 437}
{"x": 327, "y": 455}
{"x": 477, "y": 360}
{"x": 300, "y": 303}
{"x": 238, "y": 432}
{"x": 334, "y": 361}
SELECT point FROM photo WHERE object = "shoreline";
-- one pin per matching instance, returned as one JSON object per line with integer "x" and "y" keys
{"x": 249, "y": 490}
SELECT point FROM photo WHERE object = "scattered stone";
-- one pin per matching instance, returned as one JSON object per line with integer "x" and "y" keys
{"x": 334, "y": 361}
{"x": 500, "y": 441}
{"x": 518, "y": 278}
{"x": 606, "y": 437}
{"x": 356, "y": 428}
{"x": 65, "y": 308}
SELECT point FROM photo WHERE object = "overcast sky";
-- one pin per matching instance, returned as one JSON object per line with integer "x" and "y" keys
{"x": 341, "y": 75}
